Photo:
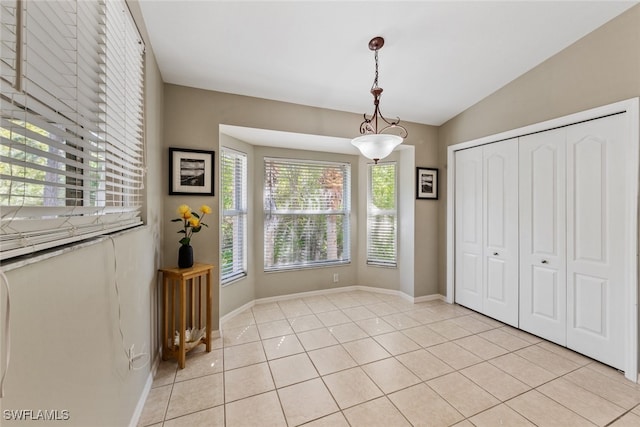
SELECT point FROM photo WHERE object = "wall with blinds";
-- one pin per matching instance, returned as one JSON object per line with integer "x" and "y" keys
{"x": 72, "y": 158}
{"x": 71, "y": 135}
{"x": 200, "y": 116}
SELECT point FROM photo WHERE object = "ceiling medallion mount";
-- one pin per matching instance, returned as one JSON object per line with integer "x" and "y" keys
{"x": 376, "y": 43}
{"x": 377, "y": 143}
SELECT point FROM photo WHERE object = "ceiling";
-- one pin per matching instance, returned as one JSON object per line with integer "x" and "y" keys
{"x": 439, "y": 57}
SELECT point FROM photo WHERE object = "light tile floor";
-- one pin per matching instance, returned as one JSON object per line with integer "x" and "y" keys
{"x": 360, "y": 358}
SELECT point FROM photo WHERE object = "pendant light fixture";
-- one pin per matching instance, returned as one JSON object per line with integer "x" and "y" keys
{"x": 377, "y": 143}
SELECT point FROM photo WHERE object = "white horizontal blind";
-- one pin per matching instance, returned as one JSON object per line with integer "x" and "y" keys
{"x": 382, "y": 215}
{"x": 71, "y": 141}
{"x": 233, "y": 177}
{"x": 306, "y": 206}
{"x": 125, "y": 98}
{"x": 8, "y": 41}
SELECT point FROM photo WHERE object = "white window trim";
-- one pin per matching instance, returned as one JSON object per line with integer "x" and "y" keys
{"x": 237, "y": 275}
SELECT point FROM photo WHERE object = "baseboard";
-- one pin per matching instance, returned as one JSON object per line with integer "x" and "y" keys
{"x": 321, "y": 292}
{"x": 306, "y": 294}
{"x": 145, "y": 392}
{"x": 383, "y": 291}
{"x": 237, "y": 311}
{"x": 435, "y": 297}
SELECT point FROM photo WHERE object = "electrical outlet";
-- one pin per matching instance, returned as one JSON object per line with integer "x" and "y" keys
{"x": 336, "y": 277}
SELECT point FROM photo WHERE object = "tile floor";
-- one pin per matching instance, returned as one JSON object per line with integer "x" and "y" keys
{"x": 360, "y": 358}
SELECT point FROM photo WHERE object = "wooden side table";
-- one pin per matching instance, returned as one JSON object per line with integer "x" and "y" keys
{"x": 179, "y": 280}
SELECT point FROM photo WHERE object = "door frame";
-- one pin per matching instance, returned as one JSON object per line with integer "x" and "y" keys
{"x": 632, "y": 108}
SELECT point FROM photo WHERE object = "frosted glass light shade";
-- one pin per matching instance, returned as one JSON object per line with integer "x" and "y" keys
{"x": 376, "y": 146}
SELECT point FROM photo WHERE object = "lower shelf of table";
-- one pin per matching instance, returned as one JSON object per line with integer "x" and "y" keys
{"x": 173, "y": 351}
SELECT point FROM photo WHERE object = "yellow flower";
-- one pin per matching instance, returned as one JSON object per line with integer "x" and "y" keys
{"x": 191, "y": 222}
{"x": 182, "y": 209}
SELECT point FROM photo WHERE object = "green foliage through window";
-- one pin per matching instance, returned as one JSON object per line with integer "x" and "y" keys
{"x": 306, "y": 208}
{"x": 382, "y": 215}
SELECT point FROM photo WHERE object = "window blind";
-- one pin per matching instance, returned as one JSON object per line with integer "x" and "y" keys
{"x": 382, "y": 215}
{"x": 233, "y": 177}
{"x": 8, "y": 41}
{"x": 306, "y": 206}
{"x": 71, "y": 130}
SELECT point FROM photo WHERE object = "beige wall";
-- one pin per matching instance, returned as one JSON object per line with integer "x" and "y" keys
{"x": 601, "y": 68}
{"x": 192, "y": 119}
{"x": 66, "y": 350}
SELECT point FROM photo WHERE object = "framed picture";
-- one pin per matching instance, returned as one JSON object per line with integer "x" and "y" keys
{"x": 427, "y": 183}
{"x": 191, "y": 172}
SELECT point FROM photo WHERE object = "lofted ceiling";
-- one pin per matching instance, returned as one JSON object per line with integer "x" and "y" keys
{"x": 439, "y": 57}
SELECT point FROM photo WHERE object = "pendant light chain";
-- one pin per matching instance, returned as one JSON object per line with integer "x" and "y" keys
{"x": 370, "y": 124}
{"x": 375, "y": 79}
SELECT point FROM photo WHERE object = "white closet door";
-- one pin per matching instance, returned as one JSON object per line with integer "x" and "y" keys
{"x": 468, "y": 228}
{"x": 500, "y": 260}
{"x": 596, "y": 235}
{"x": 542, "y": 235}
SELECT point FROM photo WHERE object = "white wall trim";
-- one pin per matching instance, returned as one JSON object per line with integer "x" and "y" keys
{"x": 426, "y": 298}
{"x": 631, "y": 365}
{"x": 630, "y": 106}
{"x": 135, "y": 418}
{"x": 409, "y": 298}
{"x": 237, "y": 311}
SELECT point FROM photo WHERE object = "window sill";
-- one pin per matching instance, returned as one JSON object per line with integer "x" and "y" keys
{"x": 307, "y": 267}
{"x": 232, "y": 280}
{"x": 381, "y": 265}
{"x": 26, "y": 260}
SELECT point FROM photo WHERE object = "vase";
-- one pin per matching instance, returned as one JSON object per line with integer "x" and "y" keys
{"x": 185, "y": 256}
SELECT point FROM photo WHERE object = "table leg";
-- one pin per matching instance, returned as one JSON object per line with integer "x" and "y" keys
{"x": 208, "y": 310}
{"x": 165, "y": 342}
{"x": 183, "y": 324}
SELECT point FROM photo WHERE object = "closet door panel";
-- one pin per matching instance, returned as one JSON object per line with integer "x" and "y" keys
{"x": 542, "y": 194}
{"x": 468, "y": 228}
{"x": 500, "y": 215}
{"x": 596, "y": 233}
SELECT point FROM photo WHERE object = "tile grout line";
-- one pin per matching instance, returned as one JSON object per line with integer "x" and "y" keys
{"x": 398, "y": 328}
{"x": 352, "y": 321}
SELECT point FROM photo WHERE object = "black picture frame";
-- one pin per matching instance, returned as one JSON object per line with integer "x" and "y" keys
{"x": 191, "y": 172}
{"x": 426, "y": 183}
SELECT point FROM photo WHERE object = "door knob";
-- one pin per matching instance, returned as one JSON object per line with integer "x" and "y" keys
{"x": 544, "y": 261}
{"x": 495, "y": 254}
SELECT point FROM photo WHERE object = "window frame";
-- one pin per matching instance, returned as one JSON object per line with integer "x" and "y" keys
{"x": 240, "y": 211}
{"x": 371, "y": 212}
{"x": 344, "y": 212}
